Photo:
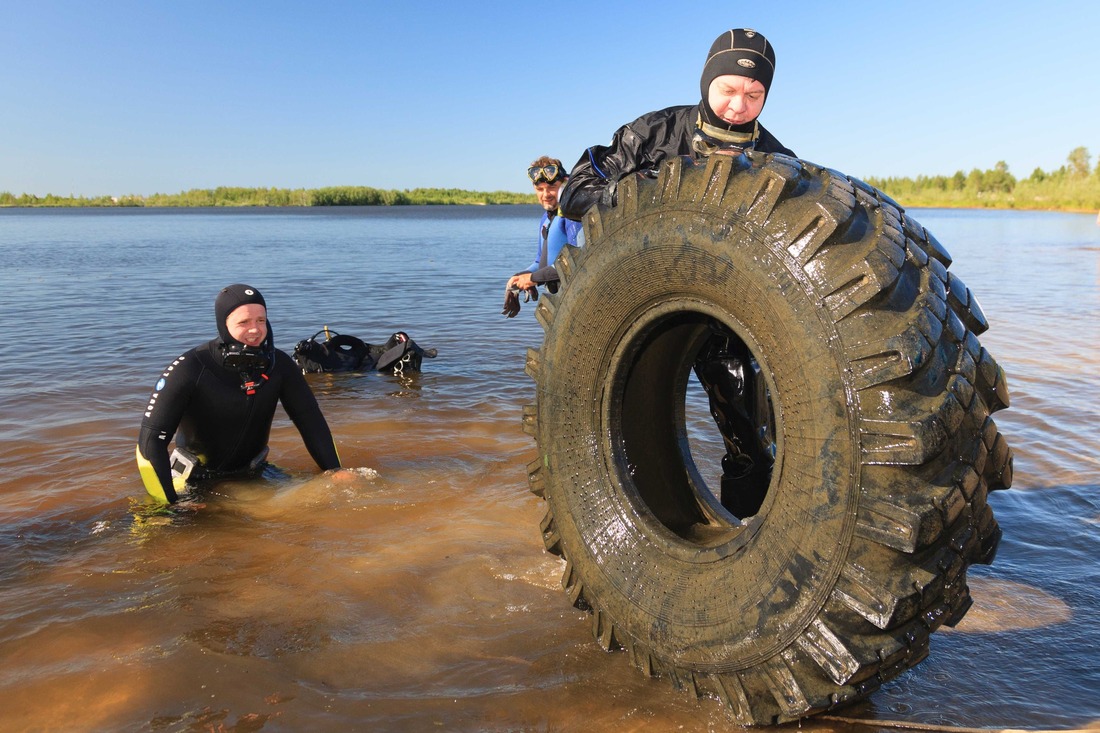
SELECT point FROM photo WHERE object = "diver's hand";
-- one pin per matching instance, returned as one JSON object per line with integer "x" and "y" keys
{"x": 521, "y": 280}
{"x": 187, "y": 499}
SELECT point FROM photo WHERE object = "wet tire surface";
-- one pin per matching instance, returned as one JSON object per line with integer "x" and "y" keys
{"x": 880, "y": 402}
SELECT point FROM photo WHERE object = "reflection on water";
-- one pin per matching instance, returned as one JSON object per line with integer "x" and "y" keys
{"x": 417, "y": 594}
{"x": 1010, "y": 606}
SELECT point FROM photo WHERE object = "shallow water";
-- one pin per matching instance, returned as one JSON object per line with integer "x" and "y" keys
{"x": 418, "y": 595}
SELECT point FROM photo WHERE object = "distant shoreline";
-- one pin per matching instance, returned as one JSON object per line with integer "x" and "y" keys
{"x": 227, "y": 196}
{"x": 905, "y": 205}
{"x": 962, "y": 207}
{"x": 1073, "y": 188}
{"x": 251, "y": 206}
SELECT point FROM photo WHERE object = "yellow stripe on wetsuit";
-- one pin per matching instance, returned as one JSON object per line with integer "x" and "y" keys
{"x": 152, "y": 483}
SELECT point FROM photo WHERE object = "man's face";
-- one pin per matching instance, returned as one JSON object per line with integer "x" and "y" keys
{"x": 736, "y": 99}
{"x": 248, "y": 324}
{"x": 547, "y": 194}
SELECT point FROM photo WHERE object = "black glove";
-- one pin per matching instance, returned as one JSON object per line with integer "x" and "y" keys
{"x": 511, "y": 300}
{"x": 511, "y": 303}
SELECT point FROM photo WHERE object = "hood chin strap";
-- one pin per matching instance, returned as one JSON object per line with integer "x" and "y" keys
{"x": 709, "y": 138}
{"x": 727, "y": 135}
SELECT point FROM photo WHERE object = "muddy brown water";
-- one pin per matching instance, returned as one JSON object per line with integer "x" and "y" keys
{"x": 418, "y": 596}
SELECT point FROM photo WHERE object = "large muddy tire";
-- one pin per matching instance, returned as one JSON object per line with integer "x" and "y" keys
{"x": 878, "y": 400}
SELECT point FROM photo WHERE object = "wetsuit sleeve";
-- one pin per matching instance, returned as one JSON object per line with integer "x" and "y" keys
{"x": 162, "y": 416}
{"x": 302, "y": 408}
{"x": 538, "y": 250}
{"x": 556, "y": 239}
{"x": 593, "y": 179}
{"x": 153, "y": 465}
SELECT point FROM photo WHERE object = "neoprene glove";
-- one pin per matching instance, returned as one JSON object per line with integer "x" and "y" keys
{"x": 511, "y": 303}
{"x": 511, "y": 300}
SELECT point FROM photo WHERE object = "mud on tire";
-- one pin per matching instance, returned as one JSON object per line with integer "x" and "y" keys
{"x": 885, "y": 451}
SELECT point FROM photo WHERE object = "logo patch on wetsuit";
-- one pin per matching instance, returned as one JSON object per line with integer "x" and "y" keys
{"x": 746, "y": 63}
{"x": 160, "y": 385}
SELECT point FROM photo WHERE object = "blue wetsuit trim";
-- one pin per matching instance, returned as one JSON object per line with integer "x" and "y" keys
{"x": 592, "y": 159}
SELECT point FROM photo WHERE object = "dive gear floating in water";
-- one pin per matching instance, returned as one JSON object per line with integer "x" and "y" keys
{"x": 343, "y": 353}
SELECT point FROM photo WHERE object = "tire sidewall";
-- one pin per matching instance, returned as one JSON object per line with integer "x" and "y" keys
{"x": 730, "y": 605}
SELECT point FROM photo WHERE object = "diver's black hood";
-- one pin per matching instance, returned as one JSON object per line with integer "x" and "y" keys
{"x": 230, "y": 299}
{"x": 743, "y": 52}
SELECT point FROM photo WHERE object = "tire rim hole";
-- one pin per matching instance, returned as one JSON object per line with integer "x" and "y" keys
{"x": 696, "y": 459}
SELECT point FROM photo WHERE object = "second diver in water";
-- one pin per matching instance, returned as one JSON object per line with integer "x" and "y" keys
{"x": 219, "y": 400}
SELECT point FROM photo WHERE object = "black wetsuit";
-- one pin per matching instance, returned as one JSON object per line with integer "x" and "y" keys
{"x": 205, "y": 405}
{"x": 640, "y": 145}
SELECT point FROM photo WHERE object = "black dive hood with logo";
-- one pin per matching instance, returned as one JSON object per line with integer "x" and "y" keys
{"x": 741, "y": 52}
{"x": 231, "y": 353}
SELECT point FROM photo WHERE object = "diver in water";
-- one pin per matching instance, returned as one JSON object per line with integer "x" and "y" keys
{"x": 219, "y": 399}
{"x": 555, "y": 231}
{"x": 734, "y": 86}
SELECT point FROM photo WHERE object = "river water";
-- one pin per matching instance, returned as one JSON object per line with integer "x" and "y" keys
{"x": 418, "y": 596}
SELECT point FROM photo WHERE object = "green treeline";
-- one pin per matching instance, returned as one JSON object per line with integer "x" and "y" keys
{"x": 236, "y": 196}
{"x": 1073, "y": 187}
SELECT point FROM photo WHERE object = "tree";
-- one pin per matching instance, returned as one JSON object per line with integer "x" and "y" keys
{"x": 999, "y": 179}
{"x": 974, "y": 180}
{"x": 1078, "y": 160}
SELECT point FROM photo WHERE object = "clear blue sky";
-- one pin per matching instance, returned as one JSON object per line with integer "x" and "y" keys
{"x": 145, "y": 97}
